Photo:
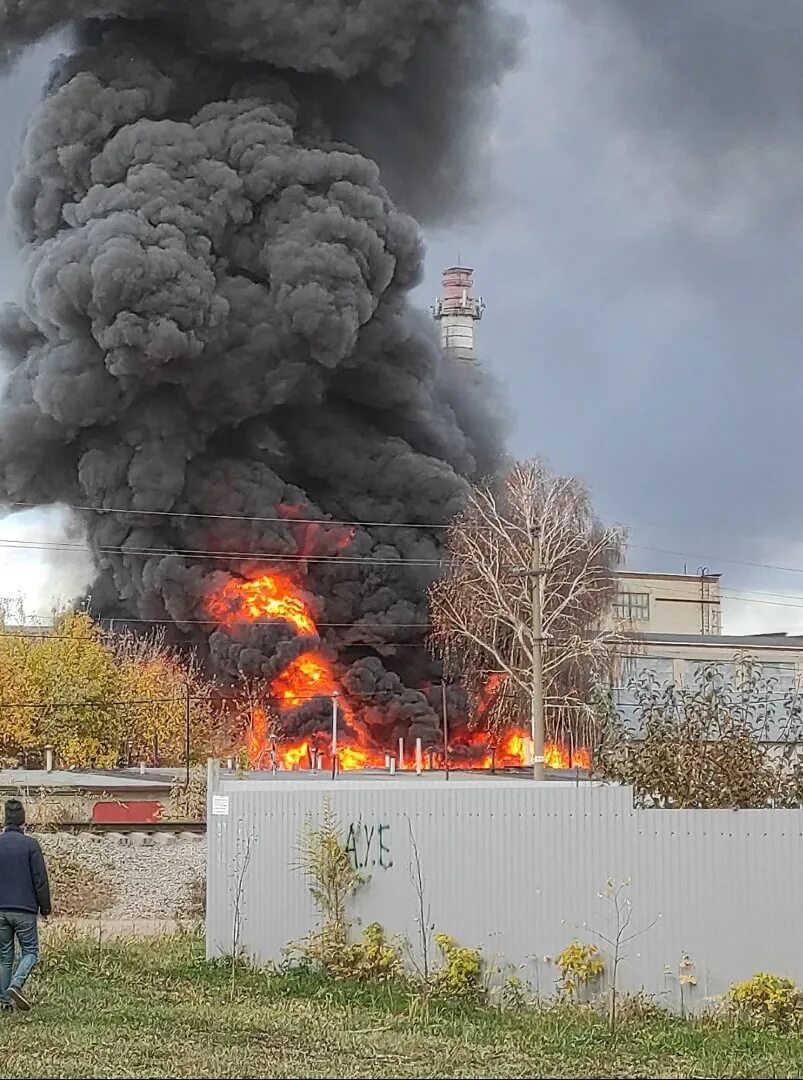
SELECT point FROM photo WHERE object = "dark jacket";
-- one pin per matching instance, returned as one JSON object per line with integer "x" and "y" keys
{"x": 23, "y": 876}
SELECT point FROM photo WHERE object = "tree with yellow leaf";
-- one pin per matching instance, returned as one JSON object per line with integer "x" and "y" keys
{"x": 77, "y": 683}
{"x": 96, "y": 697}
{"x": 160, "y": 686}
{"x": 18, "y": 728}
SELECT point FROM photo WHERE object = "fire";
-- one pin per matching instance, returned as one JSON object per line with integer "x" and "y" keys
{"x": 473, "y": 750}
{"x": 257, "y": 736}
{"x": 558, "y": 756}
{"x": 492, "y": 686}
{"x": 307, "y": 677}
{"x": 355, "y": 757}
{"x": 293, "y": 756}
{"x": 311, "y": 676}
{"x": 513, "y": 749}
{"x": 271, "y": 596}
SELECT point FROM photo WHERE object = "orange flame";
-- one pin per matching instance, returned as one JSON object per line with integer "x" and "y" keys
{"x": 293, "y": 756}
{"x": 256, "y": 739}
{"x": 513, "y": 749}
{"x": 271, "y": 596}
{"x": 311, "y": 675}
{"x": 305, "y": 678}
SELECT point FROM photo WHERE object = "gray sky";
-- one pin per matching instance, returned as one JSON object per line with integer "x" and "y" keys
{"x": 640, "y": 252}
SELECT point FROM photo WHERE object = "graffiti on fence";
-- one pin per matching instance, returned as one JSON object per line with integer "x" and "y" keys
{"x": 369, "y": 846}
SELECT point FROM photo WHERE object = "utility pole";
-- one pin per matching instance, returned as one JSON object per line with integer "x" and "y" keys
{"x": 187, "y": 733}
{"x": 334, "y": 735}
{"x": 537, "y": 662}
{"x": 445, "y": 731}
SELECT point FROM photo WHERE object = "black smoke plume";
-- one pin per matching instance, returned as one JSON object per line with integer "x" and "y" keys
{"x": 216, "y": 322}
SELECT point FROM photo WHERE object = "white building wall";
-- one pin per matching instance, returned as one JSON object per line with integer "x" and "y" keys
{"x": 669, "y": 604}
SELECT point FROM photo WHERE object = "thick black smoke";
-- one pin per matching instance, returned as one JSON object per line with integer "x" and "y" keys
{"x": 216, "y": 318}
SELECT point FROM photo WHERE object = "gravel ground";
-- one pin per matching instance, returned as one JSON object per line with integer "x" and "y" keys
{"x": 154, "y": 877}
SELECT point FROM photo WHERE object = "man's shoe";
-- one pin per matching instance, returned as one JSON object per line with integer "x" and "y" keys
{"x": 18, "y": 1000}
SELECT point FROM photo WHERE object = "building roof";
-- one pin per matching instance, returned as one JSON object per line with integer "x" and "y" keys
{"x": 637, "y": 575}
{"x": 718, "y": 641}
{"x": 468, "y": 777}
{"x": 154, "y": 781}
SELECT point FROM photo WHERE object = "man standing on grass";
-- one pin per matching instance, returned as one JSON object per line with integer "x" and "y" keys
{"x": 24, "y": 895}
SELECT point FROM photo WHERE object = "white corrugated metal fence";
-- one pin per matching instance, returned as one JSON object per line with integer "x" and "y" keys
{"x": 516, "y": 868}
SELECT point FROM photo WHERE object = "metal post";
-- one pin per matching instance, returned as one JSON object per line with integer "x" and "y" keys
{"x": 537, "y": 691}
{"x": 445, "y": 731}
{"x": 212, "y": 784}
{"x": 187, "y": 735}
{"x": 334, "y": 735}
{"x": 401, "y": 752}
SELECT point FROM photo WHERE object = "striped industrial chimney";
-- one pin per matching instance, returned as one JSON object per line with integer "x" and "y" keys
{"x": 458, "y": 311}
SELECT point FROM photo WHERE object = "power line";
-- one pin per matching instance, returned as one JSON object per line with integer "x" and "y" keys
{"x": 726, "y": 593}
{"x": 388, "y": 643}
{"x": 92, "y": 704}
{"x": 247, "y": 556}
{"x": 746, "y": 596}
{"x": 719, "y": 559}
{"x": 266, "y": 622}
{"x": 238, "y": 699}
{"x": 245, "y": 518}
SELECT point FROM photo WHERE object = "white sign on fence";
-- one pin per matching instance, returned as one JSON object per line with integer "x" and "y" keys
{"x": 220, "y": 805}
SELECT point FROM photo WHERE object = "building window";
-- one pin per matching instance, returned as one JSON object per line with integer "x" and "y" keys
{"x": 632, "y": 606}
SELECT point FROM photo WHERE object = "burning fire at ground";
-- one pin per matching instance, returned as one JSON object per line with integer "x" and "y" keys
{"x": 311, "y": 676}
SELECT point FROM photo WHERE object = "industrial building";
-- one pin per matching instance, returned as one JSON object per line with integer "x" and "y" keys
{"x": 672, "y": 624}
{"x": 670, "y": 603}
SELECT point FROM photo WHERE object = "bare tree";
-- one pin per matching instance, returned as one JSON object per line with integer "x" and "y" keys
{"x": 620, "y": 935}
{"x": 242, "y": 862}
{"x": 424, "y": 913}
{"x": 482, "y": 608}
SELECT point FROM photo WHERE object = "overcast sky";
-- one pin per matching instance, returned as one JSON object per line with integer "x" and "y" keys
{"x": 640, "y": 250}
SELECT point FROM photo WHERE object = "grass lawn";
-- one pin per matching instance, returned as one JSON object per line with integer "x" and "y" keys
{"x": 158, "y": 1009}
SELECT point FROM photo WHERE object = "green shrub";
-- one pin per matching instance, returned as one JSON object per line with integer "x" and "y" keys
{"x": 460, "y": 974}
{"x": 513, "y": 994}
{"x": 768, "y": 1000}
{"x": 373, "y": 959}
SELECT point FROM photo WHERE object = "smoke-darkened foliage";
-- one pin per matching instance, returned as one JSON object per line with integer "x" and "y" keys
{"x": 216, "y": 321}
{"x": 729, "y": 737}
